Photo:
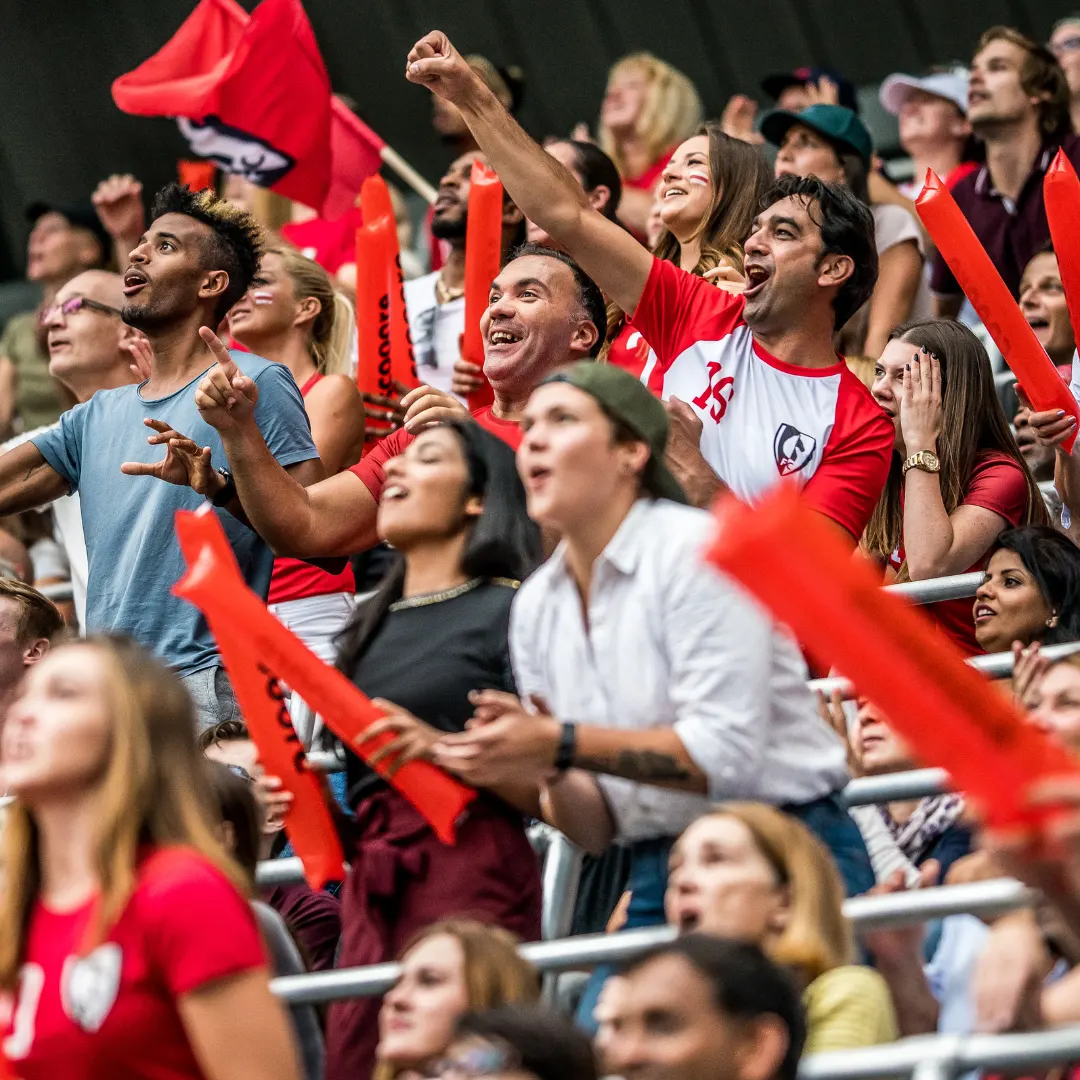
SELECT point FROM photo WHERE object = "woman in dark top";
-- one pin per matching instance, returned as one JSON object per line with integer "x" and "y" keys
{"x": 453, "y": 509}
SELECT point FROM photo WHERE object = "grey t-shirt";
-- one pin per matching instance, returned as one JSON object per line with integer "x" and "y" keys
{"x": 134, "y": 558}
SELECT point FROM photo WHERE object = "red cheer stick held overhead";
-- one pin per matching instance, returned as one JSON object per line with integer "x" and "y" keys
{"x": 1061, "y": 196}
{"x": 949, "y": 714}
{"x": 483, "y": 259}
{"x": 376, "y": 204}
{"x": 983, "y": 286}
{"x": 237, "y": 615}
{"x": 262, "y": 701}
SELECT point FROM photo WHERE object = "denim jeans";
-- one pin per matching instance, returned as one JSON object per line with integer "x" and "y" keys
{"x": 826, "y": 817}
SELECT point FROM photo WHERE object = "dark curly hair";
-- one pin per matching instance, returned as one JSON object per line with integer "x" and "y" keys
{"x": 235, "y": 243}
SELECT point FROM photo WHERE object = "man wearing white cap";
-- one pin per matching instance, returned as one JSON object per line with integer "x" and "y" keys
{"x": 932, "y": 110}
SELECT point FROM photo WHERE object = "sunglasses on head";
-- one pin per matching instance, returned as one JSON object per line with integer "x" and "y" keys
{"x": 77, "y": 303}
{"x": 476, "y": 1061}
{"x": 239, "y": 770}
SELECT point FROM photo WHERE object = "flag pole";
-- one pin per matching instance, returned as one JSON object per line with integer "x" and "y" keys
{"x": 393, "y": 160}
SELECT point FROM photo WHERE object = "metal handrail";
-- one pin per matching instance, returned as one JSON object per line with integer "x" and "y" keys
{"x": 932, "y": 590}
{"x": 989, "y": 898}
{"x": 892, "y": 787}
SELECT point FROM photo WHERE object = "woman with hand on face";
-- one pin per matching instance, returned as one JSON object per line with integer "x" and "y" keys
{"x": 1031, "y": 592}
{"x": 127, "y": 945}
{"x": 957, "y": 478}
{"x": 449, "y": 969}
{"x": 453, "y": 509}
{"x": 707, "y": 199}
{"x": 293, "y": 315}
{"x": 753, "y": 873}
{"x": 648, "y": 109}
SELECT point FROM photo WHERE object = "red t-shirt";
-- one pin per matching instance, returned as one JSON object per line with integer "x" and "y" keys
{"x": 997, "y": 484}
{"x": 649, "y": 178}
{"x": 370, "y": 467}
{"x": 629, "y": 350}
{"x": 763, "y": 419}
{"x": 112, "y": 1013}
{"x": 294, "y": 579}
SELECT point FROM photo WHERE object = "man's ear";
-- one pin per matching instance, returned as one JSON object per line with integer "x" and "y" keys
{"x": 599, "y": 197}
{"x": 761, "y": 1052}
{"x": 36, "y": 651}
{"x": 512, "y": 217}
{"x": 214, "y": 284}
{"x": 584, "y": 337}
{"x": 835, "y": 269}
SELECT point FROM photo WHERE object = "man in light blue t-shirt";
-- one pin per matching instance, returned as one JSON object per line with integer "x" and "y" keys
{"x": 193, "y": 263}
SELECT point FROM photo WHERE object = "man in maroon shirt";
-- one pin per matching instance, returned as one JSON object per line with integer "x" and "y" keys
{"x": 1018, "y": 105}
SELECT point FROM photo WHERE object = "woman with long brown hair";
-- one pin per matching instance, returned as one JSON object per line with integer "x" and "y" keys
{"x": 957, "y": 478}
{"x": 708, "y": 195}
{"x": 127, "y": 945}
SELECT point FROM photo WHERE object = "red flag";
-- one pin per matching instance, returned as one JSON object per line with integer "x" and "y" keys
{"x": 251, "y": 93}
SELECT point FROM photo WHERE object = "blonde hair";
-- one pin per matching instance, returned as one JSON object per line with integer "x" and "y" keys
{"x": 154, "y": 791}
{"x": 495, "y": 972}
{"x": 331, "y": 330}
{"x": 670, "y": 114}
{"x": 816, "y": 937}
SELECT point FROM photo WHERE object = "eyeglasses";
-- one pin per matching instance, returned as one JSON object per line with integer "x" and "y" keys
{"x": 1065, "y": 45}
{"x": 474, "y": 1062}
{"x": 239, "y": 770}
{"x": 77, "y": 303}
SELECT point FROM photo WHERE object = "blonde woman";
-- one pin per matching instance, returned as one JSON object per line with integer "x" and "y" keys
{"x": 649, "y": 108}
{"x": 751, "y": 872}
{"x": 451, "y": 968}
{"x": 127, "y": 947}
{"x": 292, "y": 315}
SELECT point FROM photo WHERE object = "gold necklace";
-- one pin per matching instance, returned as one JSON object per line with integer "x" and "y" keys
{"x": 444, "y": 294}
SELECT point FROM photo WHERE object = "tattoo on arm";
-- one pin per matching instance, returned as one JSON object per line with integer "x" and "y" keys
{"x": 643, "y": 765}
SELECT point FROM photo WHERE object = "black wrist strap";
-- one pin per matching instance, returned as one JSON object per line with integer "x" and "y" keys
{"x": 226, "y": 494}
{"x": 564, "y": 757}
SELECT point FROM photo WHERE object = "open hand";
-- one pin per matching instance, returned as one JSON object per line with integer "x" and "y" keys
{"x": 225, "y": 397}
{"x": 1050, "y": 428}
{"x": 1029, "y": 667}
{"x": 737, "y": 119}
{"x": 413, "y": 739}
{"x": 184, "y": 464}
{"x": 142, "y": 357}
{"x": 435, "y": 63}
{"x": 425, "y": 406}
{"x": 921, "y": 412}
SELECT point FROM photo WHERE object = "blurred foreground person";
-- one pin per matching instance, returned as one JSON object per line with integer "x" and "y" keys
{"x": 127, "y": 947}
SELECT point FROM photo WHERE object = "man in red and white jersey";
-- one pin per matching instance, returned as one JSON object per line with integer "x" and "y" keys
{"x": 759, "y": 372}
{"x": 543, "y": 312}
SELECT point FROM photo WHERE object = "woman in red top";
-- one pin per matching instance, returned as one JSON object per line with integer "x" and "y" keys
{"x": 957, "y": 479}
{"x": 709, "y": 194}
{"x": 126, "y": 946}
{"x": 292, "y": 315}
{"x": 649, "y": 108}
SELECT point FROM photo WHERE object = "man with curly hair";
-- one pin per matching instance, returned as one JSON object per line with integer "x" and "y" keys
{"x": 195, "y": 260}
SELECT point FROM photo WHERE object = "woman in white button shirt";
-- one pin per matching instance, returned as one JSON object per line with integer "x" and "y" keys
{"x": 645, "y": 666}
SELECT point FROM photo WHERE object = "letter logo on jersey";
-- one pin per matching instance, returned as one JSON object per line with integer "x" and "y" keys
{"x": 235, "y": 151}
{"x": 792, "y": 449}
{"x": 89, "y": 985}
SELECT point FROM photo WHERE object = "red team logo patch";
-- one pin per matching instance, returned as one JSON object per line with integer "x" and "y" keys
{"x": 792, "y": 449}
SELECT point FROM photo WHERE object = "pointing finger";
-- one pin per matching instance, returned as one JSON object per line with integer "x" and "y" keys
{"x": 220, "y": 353}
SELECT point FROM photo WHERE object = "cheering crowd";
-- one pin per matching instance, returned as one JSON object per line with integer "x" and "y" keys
{"x": 687, "y": 310}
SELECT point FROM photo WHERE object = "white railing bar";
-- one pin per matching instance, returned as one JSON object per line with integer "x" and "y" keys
{"x": 279, "y": 871}
{"x": 866, "y": 913}
{"x": 58, "y": 590}
{"x": 891, "y": 787}
{"x": 931, "y": 590}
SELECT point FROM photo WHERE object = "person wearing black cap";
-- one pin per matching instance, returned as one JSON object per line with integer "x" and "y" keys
{"x": 805, "y": 86}
{"x": 640, "y": 665}
{"x": 832, "y": 143}
{"x": 64, "y": 241}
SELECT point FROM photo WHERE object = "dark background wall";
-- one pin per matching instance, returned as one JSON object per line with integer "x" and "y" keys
{"x": 60, "y": 132}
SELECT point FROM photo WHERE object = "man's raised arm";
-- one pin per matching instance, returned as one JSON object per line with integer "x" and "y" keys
{"x": 540, "y": 186}
{"x": 27, "y": 480}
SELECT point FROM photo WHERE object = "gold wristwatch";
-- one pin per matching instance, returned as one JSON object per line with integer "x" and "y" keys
{"x": 926, "y": 460}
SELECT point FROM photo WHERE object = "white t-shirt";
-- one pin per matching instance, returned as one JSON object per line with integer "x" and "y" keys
{"x": 436, "y": 331}
{"x": 894, "y": 225}
{"x": 763, "y": 419}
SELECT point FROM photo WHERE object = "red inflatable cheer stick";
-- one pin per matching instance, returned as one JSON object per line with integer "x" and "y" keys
{"x": 483, "y": 258}
{"x": 990, "y": 297}
{"x": 241, "y": 623}
{"x": 374, "y": 373}
{"x": 951, "y": 716}
{"x": 375, "y": 204}
{"x": 263, "y": 703}
{"x": 1061, "y": 196}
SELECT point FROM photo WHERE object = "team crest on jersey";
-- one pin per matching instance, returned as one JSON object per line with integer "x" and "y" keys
{"x": 236, "y": 151}
{"x": 792, "y": 449}
{"x": 89, "y": 986}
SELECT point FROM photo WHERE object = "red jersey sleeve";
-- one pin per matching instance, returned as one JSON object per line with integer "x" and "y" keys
{"x": 678, "y": 309}
{"x": 198, "y": 928}
{"x": 370, "y": 467}
{"x": 855, "y": 465}
{"x": 999, "y": 484}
